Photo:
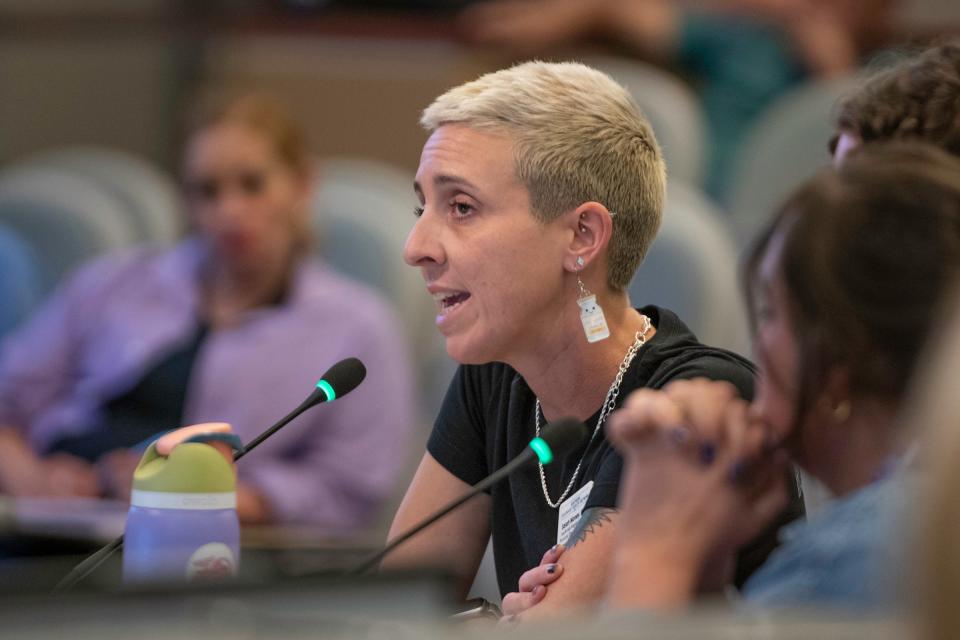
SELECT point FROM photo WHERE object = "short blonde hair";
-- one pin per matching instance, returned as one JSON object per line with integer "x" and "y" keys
{"x": 578, "y": 137}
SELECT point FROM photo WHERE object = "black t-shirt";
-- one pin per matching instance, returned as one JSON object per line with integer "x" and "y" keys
{"x": 487, "y": 419}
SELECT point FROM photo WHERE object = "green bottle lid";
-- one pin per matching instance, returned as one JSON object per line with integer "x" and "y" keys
{"x": 191, "y": 467}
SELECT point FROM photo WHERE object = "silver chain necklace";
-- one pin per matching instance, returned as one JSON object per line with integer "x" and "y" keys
{"x": 639, "y": 340}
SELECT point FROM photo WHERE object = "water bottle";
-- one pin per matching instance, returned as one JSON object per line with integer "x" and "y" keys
{"x": 182, "y": 525}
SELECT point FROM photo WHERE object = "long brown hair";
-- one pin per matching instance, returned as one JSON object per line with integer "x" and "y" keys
{"x": 869, "y": 250}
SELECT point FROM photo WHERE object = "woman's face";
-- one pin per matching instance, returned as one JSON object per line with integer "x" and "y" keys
{"x": 248, "y": 204}
{"x": 776, "y": 350}
{"x": 775, "y": 345}
{"x": 495, "y": 272}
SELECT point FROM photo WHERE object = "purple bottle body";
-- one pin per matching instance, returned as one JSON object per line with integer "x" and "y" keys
{"x": 180, "y": 545}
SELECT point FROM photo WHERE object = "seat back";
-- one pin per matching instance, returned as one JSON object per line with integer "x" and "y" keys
{"x": 787, "y": 145}
{"x": 19, "y": 280}
{"x": 691, "y": 269}
{"x": 64, "y": 218}
{"x": 149, "y": 195}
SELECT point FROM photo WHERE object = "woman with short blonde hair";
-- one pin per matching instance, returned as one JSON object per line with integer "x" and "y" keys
{"x": 540, "y": 188}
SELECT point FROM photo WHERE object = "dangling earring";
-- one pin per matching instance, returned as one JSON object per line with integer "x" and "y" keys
{"x": 591, "y": 315}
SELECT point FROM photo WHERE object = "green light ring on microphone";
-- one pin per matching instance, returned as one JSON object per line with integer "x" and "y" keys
{"x": 542, "y": 449}
{"x": 327, "y": 389}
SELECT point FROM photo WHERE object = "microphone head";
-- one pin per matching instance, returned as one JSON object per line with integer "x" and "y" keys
{"x": 560, "y": 437}
{"x": 341, "y": 379}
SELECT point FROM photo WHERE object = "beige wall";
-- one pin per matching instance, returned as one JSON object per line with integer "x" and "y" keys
{"x": 109, "y": 72}
{"x": 354, "y": 97}
{"x": 60, "y": 90}
{"x": 86, "y": 72}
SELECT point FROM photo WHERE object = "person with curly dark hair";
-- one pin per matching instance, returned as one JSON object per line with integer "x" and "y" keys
{"x": 917, "y": 99}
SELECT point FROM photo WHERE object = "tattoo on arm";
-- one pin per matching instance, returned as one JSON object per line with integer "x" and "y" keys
{"x": 590, "y": 520}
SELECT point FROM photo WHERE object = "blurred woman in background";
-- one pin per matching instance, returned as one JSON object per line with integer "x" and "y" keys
{"x": 233, "y": 324}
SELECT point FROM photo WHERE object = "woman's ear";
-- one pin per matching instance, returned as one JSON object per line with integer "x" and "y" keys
{"x": 837, "y": 398}
{"x": 592, "y": 226}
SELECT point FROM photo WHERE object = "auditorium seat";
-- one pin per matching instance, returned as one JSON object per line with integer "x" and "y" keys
{"x": 691, "y": 269}
{"x": 149, "y": 195}
{"x": 66, "y": 219}
{"x": 19, "y": 280}
{"x": 786, "y": 145}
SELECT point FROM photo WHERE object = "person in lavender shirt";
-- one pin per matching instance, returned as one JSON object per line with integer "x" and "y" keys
{"x": 234, "y": 324}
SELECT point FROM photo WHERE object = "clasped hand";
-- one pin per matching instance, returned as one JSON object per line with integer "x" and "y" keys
{"x": 702, "y": 477}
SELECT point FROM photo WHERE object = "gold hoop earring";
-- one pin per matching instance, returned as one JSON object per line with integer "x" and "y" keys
{"x": 842, "y": 410}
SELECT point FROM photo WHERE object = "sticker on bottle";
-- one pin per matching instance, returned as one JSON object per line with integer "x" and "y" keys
{"x": 211, "y": 563}
{"x": 570, "y": 510}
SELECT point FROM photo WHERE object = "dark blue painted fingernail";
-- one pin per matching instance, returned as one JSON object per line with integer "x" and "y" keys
{"x": 737, "y": 472}
{"x": 551, "y": 569}
{"x": 707, "y": 454}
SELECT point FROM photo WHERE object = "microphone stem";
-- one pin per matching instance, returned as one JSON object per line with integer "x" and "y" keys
{"x": 80, "y": 571}
{"x": 484, "y": 484}
{"x": 309, "y": 402}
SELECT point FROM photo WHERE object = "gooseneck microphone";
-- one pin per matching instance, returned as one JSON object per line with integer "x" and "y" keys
{"x": 339, "y": 380}
{"x": 558, "y": 438}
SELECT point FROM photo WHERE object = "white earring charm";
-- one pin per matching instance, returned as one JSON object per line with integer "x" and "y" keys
{"x": 591, "y": 315}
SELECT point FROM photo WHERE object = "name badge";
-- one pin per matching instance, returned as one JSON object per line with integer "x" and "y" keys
{"x": 570, "y": 510}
